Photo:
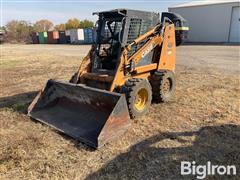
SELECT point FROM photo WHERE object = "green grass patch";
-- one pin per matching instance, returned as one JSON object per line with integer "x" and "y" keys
{"x": 20, "y": 107}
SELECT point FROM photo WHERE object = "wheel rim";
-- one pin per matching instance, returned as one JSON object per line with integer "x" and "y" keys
{"x": 141, "y": 99}
{"x": 167, "y": 85}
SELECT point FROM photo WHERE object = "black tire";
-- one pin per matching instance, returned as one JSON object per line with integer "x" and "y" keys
{"x": 138, "y": 95}
{"x": 159, "y": 81}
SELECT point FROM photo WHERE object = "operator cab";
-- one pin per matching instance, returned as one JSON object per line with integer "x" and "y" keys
{"x": 114, "y": 30}
{"x": 108, "y": 41}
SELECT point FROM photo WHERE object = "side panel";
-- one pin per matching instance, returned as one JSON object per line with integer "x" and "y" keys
{"x": 55, "y": 34}
{"x": 68, "y": 39}
{"x": 43, "y": 37}
{"x": 168, "y": 53}
{"x": 235, "y": 25}
{"x": 62, "y": 37}
{"x": 35, "y": 38}
{"x": 73, "y": 36}
{"x": 67, "y": 32}
{"x": 209, "y": 23}
{"x": 80, "y": 34}
{"x": 138, "y": 23}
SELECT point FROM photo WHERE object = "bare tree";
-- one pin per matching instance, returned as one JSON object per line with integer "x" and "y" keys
{"x": 86, "y": 24}
{"x": 43, "y": 25}
{"x": 18, "y": 31}
{"x": 72, "y": 23}
{"x": 60, "y": 27}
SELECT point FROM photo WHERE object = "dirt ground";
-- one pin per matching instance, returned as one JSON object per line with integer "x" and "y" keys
{"x": 201, "y": 123}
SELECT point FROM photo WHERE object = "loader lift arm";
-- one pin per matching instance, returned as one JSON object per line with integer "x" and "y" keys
{"x": 162, "y": 37}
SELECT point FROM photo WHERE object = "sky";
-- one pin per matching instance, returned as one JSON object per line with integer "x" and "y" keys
{"x": 59, "y": 11}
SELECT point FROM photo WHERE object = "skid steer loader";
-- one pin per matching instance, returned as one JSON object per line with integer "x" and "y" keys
{"x": 130, "y": 65}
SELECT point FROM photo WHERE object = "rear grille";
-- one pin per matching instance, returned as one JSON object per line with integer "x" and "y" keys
{"x": 137, "y": 27}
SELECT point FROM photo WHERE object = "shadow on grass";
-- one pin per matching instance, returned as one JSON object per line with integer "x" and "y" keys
{"x": 18, "y": 102}
{"x": 149, "y": 159}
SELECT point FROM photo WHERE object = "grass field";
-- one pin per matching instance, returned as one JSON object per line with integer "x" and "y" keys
{"x": 201, "y": 123}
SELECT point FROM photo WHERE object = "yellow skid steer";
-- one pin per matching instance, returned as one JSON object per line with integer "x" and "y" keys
{"x": 131, "y": 64}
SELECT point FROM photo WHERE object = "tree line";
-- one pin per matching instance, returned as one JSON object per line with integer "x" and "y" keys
{"x": 19, "y": 31}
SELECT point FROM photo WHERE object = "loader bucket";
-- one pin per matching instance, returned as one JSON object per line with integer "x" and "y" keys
{"x": 90, "y": 115}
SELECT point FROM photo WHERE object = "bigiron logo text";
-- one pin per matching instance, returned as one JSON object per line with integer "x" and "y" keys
{"x": 202, "y": 171}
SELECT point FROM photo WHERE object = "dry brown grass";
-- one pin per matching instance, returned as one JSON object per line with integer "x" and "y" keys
{"x": 201, "y": 123}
